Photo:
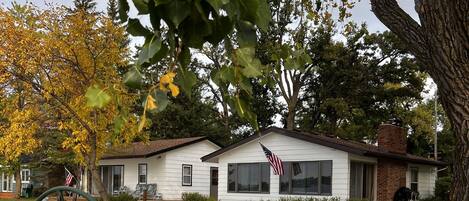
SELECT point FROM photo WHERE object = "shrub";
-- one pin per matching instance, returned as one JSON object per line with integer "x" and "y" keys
{"x": 123, "y": 197}
{"x": 195, "y": 197}
{"x": 309, "y": 199}
{"x": 442, "y": 188}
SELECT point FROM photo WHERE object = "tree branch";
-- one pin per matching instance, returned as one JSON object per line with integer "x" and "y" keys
{"x": 400, "y": 23}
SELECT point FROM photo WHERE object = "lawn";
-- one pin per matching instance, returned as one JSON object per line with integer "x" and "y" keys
{"x": 23, "y": 199}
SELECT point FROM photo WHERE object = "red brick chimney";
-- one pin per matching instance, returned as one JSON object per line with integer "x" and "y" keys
{"x": 391, "y": 173}
{"x": 392, "y": 137}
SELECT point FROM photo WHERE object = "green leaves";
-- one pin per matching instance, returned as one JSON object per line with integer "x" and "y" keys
{"x": 161, "y": 100}
{"x": 137, "y": 29}
{"x": 176, "y": 11}
{"x": 142, "y": 6}
{"x": 246, "y": 58}
{"x": 263, "y": 15}
{"x": 133, "y": 79}
{"x": 149, "y": 50}
{"x": 96, "y": 97}
{"x": 186, "y": 80}
{"x": 123, "y": 9}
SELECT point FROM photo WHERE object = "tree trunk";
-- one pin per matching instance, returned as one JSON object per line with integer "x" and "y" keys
{"x": 97, "y": 183}
{"x": 441, "y": 45}
{"x": 291, "y": 119}
{"x": 18, "y": 182}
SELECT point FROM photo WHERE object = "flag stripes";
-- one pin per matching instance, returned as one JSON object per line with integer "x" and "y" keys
{"x": 275, "y": 162}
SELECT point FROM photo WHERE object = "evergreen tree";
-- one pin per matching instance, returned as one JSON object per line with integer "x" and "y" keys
{"x": 113, "y": 11}
{"x": 88, "y": 6}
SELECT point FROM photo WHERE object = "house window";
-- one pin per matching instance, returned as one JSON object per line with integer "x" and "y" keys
{"x": 249, "y": 177}
{"x": 362, "y": 180}
{"x": 307, "y": 178}
{"x": 142, "y": 173}
{"x": 186, "y": 175}
{"x": 25, "y": 175}
{"x": 414, "y": 179}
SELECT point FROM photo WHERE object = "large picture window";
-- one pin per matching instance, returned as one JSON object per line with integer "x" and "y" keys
{"x": 142, "y": 173}
{"x": 307, "y": 178}
{"x": 249, "y": 177}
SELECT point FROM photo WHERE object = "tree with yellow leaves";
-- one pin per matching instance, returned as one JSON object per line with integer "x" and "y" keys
{"x": 68, "y": 62}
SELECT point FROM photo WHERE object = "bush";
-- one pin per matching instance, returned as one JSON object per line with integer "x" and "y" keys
{"x": 308, "y": 199}
{"x": 123, "y": 197}
{"x": 442, "y": 188}
{"x": 195, "y": 197}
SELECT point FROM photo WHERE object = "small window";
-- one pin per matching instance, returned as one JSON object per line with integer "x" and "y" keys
{"x": 142, "y": 173}
{"x": 186, "y": 175}
{"x": 25, "y": 175}
{"x": 414, "y": 179}
{"x": 249, "y": 177}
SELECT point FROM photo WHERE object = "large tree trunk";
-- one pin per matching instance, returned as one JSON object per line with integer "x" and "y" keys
{"x": 18, "y": 182}
{"x": 291, "y": 118}
{"x": 97, "y": 183}
{"x": 441, "y": 45}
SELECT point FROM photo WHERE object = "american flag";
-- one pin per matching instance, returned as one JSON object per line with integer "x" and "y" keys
{"x": 274, "y": 161}
{"x": 69, "y": 179}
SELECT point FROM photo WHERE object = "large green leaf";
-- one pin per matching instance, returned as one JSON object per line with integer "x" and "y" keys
{"x": 123, "y": 9}
{"x": 227, "y": 74}
{"x": 177, "y": 10}
{"x": 247, "y": 36}
{"x": 135, "y": 28}
{"x": 133, "y": 79}
{"x": 244, "y": 110}
{"x": 142, "y": 6}
{"x": 149, "y": 49}
{"x": 186, "y": 80}
{"x": 96, "y": 97}
{"x": 263, "y": 15}
{"x": 217, "y": 4}
{"x": 161, "y": 99}
{"x": 221, "y": 27}
{"x": 246, "y": 58}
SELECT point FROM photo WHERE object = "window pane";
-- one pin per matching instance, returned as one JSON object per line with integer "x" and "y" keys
{"x": 298, "y": 177}
{"x": 187, "y": 171}
{"x": 265, "y": 181}
{"x": 414, "y": 174}
{"x": 285, "y": 178}
{"x": 248, "y": 177}
{"x": 231, "y": 177}
{"x": 312, "y": 177}
{"x": 187, "y": 180}
{"x": 326, "y": 177}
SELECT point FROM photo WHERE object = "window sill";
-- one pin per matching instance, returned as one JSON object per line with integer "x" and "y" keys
{"x": 247, "y": 192}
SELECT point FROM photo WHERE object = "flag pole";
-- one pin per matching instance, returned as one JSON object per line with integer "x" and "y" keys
{"x": 71, "y": 174}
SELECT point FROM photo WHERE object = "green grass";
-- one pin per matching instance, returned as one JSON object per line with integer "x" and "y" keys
{"x": 22, "y": 199}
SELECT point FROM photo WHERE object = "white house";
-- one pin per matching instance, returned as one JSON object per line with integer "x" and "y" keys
{"x": 318, "y": 165}
{"x": 173, "y": 164}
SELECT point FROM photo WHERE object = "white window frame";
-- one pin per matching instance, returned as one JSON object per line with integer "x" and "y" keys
{"x": 184, "y": 166}
{"x": 416, "y": 169}
{"x": 140, "y": 173}
{"x": 25, "y": 180}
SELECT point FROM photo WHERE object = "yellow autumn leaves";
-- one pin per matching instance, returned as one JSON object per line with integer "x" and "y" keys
{"x": 157, "y": 98}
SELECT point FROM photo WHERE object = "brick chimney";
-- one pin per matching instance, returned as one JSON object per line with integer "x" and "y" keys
{"x": 392, "y": 137}
{"x": 391, "y": 173}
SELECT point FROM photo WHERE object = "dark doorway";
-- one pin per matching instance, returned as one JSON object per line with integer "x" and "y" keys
{"x": 214, "y": 182}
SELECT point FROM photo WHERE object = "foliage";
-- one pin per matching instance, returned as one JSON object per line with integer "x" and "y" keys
{"x": 355, "y": 89}
{"x": 195, "y": 197}
{"x": 123, "y": 197}
{"x": 309, "y": 199}
{"x": 64, "y": 64}
{"x": 182, "y": 24}
{"x": 442, "y": 188}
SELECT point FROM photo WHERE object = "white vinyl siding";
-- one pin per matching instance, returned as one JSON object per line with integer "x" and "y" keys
{"x": 426, "y": 179}
{"x": 287, "y": 149}
{"x": 166, "y": 170}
